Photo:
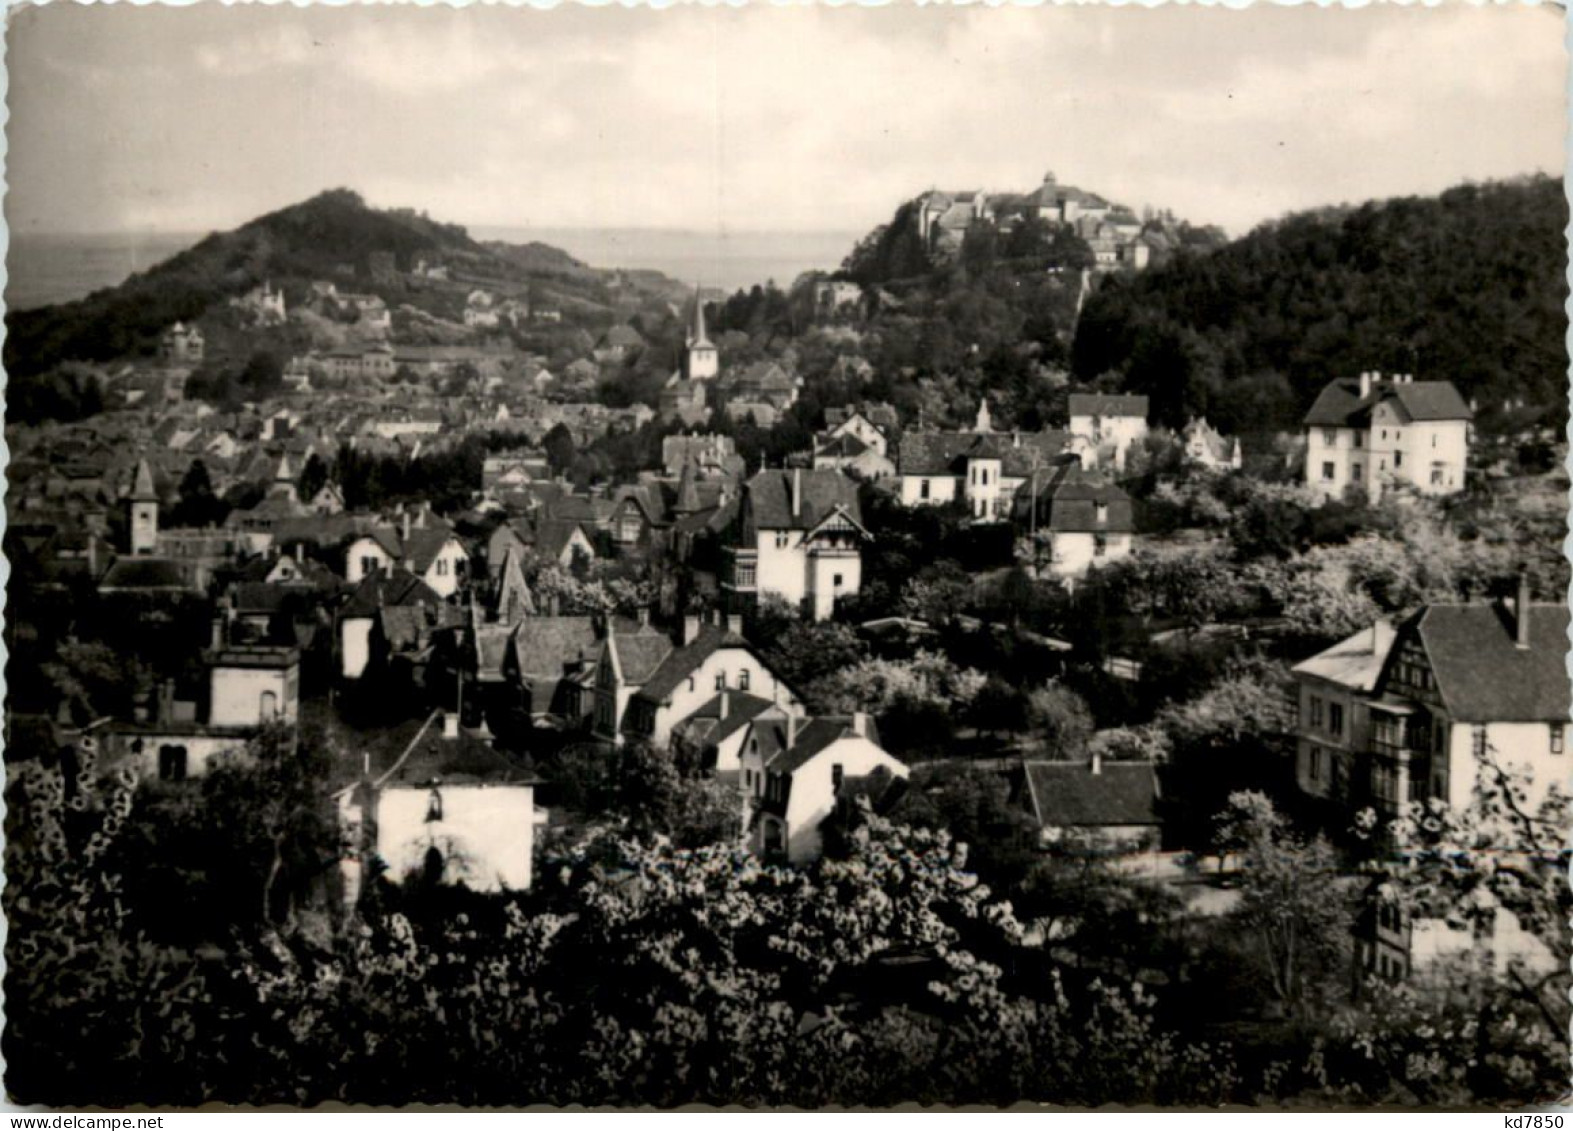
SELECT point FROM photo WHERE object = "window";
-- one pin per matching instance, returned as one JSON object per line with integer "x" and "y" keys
{"x": 1316, "y": 711}
{"x": 368, "y": 565}
{"x": 1327, "y": 470}
{"x": 1558, "y": 737}
{"x": 442, "y": 567}
{"x": 835, "y": 581}
{"x": 1436, "y": 477}
{"x": 743, "y": 677}
{"x": 836, "y": 776}
{"x": 923, "y": 489}
{"x": 1100, "y": 545}
{"x": 171, "y": 763}
{"x": 1398, "y": 460}
{"x": 1330, "y": 437}
{"x": 1335, "y": 719}
{"x": 782, "y": 538}
{"x": 1314, "y": 771}
{"x": 1384, "y": 433}
{"x": 269, "y": 706}
{"x": 1381, "y": 465}
{"x": 1397, "y": 436}
{"x": 1357, "y": 472}
{"x": 1359, "y": 439}
{"x": 434, "y": 806}
{"x": 690, "y": 683}
{"x": 1433, "y": 439}
{"x": 1480, "y": 741}
{"x": 720, "y": 681}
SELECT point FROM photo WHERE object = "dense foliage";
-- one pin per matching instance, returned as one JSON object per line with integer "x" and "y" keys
{"x": 1467, "y": 287}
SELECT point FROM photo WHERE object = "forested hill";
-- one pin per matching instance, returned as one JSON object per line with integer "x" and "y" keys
{"x": 333, "y": 236}
{"x": 1468, "y": 287}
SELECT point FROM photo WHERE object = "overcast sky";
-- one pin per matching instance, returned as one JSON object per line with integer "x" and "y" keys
{"x": 764, "y": 118}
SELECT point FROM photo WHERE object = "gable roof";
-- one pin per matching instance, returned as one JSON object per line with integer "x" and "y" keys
{"x": 813, "y": 736}
{"x": 1480, "y": 672}
{"x": 1069, "y": 501}
{"x": 680, "y": 663}
{"x": 1108, "y": 404}
{"x": 823, "y": 492}
{"x": 422, "y": 547}
{"x": 1070, "y": 794}
{"x": 144, "y": 573}
{"x": 944, "y": 453}
{"x": 543, "y": 647}
{"x": 1340, "y": 405}
{"x": 382, "y": 590}
{"x": 1355, "y": 662}
{"x": 741, "y": 709}
{"x": 640, "y": 651}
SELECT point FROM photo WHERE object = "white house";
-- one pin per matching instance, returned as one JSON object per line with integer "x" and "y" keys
{"x": 982, "y": 469}
{"x": 432, "y": 554}
{"x": 1457, "y": 684}
{"x": 253, "y": 685}
{"x": 792, "y": 771}
{"x": 713, "y": 660}
{"x": 1333, "y": 723}
{"x": 1085, "y": 520}
{"x": 450, "y": 810}
{"x": 1109, "y": 422}
{"x": 796, "y": 535}
{"x": 393, "y": 589}
{"x": 1206, "y": 447}
{"x": 1376, "y": 432}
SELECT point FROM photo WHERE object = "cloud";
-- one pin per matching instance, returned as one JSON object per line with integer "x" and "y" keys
{"x": 765, "y": 117}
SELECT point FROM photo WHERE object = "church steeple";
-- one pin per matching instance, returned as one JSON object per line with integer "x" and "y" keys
{"x": 144, "y": 511}
{"x": 701, "y": 359}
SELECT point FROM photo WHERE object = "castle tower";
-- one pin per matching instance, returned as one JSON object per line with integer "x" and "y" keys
{"x": 701, "y": 361}
{"x": 144, "y": 511}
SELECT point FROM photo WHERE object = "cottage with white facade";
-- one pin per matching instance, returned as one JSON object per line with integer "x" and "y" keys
{"x": 1373, "y": 433}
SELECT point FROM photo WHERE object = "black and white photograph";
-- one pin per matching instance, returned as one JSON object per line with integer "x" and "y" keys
{"x": 786, "y": 557}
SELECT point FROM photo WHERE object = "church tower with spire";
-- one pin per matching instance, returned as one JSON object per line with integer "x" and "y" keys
{"x": 144, "y": 511}
{"x": 701, "y": 359}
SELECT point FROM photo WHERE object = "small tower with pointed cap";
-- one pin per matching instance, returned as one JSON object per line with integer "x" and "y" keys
{"x": 687, "y": 501}
{"x": 701, "y": 359}
{"x": 984, "y": 423}
{"x": 144, "y": 511}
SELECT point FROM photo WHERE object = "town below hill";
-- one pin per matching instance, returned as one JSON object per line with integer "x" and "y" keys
{"x": 1009, "y": 675}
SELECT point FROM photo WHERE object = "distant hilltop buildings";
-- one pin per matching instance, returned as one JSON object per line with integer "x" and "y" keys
{"x": 1117, "y": 237}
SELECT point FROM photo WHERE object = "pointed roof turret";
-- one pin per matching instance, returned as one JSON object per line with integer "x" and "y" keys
{"x": 142, "y": 485}
{"x": 514, "y": 599}
{"x": 697, "y": 336}
{"x": 687, "y": 490}
{"x": 984, "y": 422}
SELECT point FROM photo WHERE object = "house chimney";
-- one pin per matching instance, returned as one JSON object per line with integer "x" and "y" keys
{"x": 1097, "y": 762}
{"x": 791, "y": 730}
{"x": 216, "y": 639}
{"x": 723, "y": 705}
{"x": 1365, "y": 385}
{"x": 450, "y": 724}
{"x": 797, "y": 491}
{"x": 405, "y": 526}
{"x": 644, "y": 614}
{"x": 734, "y": 623}
{"x": 860, "y": 724}
{"x": 300, "y": 553}
{"x": 690, "y": 628}
{"x": 1521, "y": 609}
